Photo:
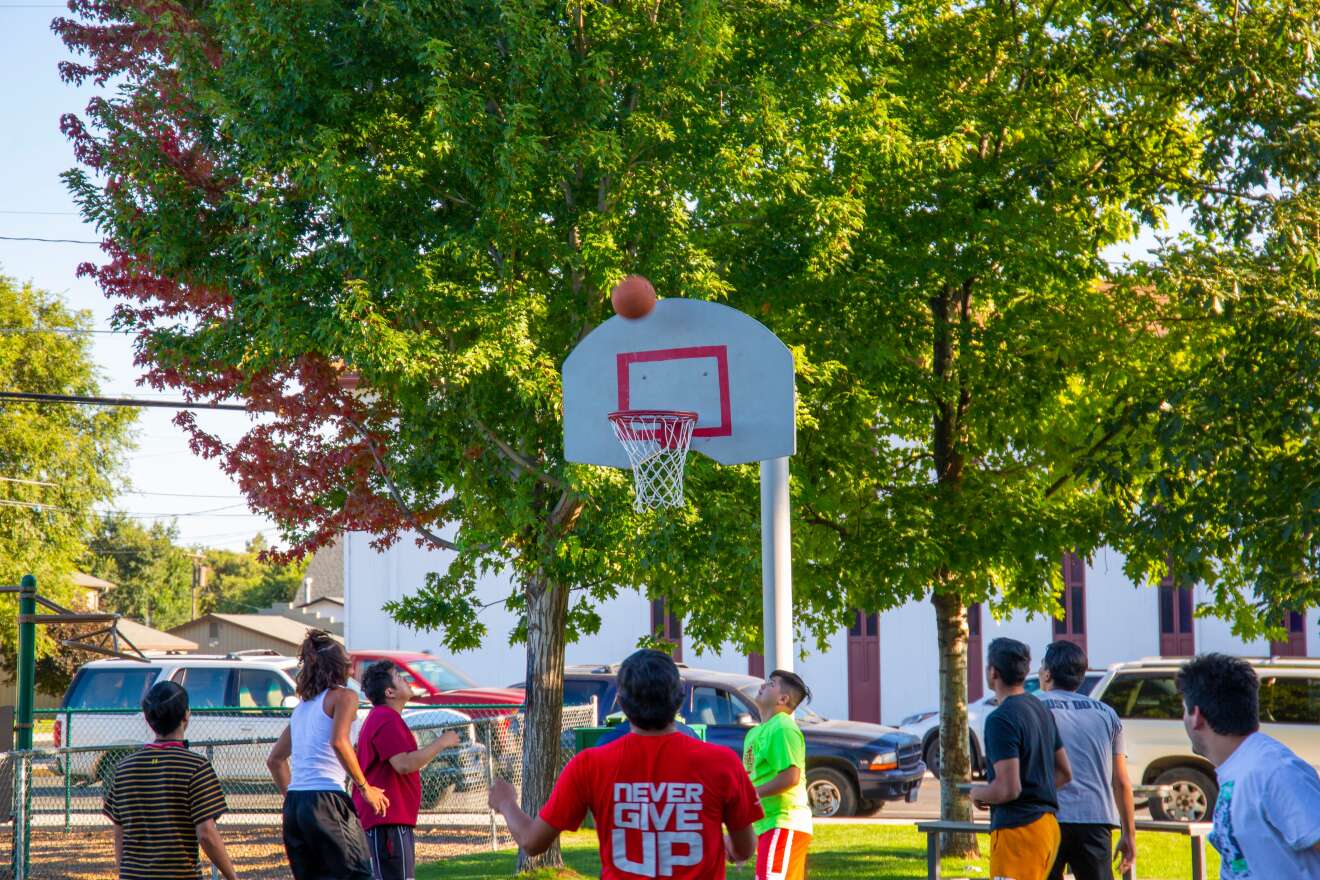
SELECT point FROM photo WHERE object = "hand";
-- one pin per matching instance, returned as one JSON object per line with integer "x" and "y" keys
{"x": 980, "y": 805}
{"x": 1125, "y": 853}
{"x": 376, "y": 798}
{"x": 449, "y": 739}
{"x": 728, "y": 850}
{"x": 501, "y": 793}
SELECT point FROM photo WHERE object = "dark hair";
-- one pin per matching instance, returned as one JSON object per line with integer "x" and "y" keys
{"x": 1066, "y": 664}
{"x": 796, "y": 687}
{"x": 378, "y": 678}
{"x": 1226, "y": 691}
{"x": 1010, "y": 658}
{"x": 650, "y": 691}
{"x": 323, "y": 664}
{"x": 165, "y": 705}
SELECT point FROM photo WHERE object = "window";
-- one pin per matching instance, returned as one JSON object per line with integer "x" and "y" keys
{"x": 712, "y": 706}
{"x": 260, "y": 689}
{"x": 667, "y": 625}
{"x": 1070, "y": 625}
{"x": 1149, "y": 697}
{"x": 580, "y": 692}
{"x": 110, "y": 688}
{"x": 213, "y": 630}
{"x": 1290, "y": 700}
{"x": 442, "y": 676}
{"x": 206, "y": 686}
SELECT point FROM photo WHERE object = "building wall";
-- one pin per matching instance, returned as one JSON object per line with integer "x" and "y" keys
{"x": 326, "y": 569}
{"x": 230, "y": 638}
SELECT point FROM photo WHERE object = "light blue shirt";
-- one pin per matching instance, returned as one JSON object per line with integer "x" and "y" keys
{"x": 1092, "y": 735}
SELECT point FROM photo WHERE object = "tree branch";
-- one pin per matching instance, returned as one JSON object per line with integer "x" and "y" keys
{"x": 517, "y": 458}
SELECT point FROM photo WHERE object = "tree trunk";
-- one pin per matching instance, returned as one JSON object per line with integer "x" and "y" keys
{"x": 547, "y": 612}
{"x": 955, "y": 757}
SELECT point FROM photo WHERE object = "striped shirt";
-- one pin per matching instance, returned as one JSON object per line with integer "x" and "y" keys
{"x": 159, "y": 795}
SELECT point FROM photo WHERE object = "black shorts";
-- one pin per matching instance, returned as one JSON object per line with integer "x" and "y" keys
{"x": 323, "y": 838}
{"x": 1086, "y": 850}
{"x": 391, "y": 852}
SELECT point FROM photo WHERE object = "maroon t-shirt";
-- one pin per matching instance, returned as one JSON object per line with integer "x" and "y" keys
{"x": 384, "y": 735}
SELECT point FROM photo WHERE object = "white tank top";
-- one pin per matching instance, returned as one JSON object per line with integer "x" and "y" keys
{"x": 316, "y": 767}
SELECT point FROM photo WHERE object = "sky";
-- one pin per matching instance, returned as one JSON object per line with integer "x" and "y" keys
{"x": 165, "y": 479}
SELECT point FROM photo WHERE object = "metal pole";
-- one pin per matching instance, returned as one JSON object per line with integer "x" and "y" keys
{"x": 22, "y": 828}
{"x": 68, "y": 775}
{"x": 490, "y": 781}
{"x": 27, "y": 661}
{"x": 776, "y": 566}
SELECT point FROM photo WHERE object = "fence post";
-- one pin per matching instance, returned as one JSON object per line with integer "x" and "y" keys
{"x": 210, "y": 759}
{"x": 490, "y": 781}
{"x": 22, "y": 819}
{"x": 68, "y": 776}
{"x": 27, "y": 661}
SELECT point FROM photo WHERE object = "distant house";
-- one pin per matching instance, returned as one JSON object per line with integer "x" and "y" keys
{"x": 89, "y": 590}
{"x": 144, "y": 638}
{"x": 225, "y": 633}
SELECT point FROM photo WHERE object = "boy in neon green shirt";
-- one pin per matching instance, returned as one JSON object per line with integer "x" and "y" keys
{"x": 775, "y": 756}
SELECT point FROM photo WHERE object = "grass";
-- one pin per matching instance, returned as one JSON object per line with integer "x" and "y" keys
{"x": 838, "y": 852}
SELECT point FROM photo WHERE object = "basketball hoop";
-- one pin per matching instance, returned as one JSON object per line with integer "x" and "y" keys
{"x": 656, "y": 441}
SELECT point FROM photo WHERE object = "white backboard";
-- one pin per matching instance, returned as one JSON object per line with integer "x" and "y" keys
{"x": 685, "y": 355}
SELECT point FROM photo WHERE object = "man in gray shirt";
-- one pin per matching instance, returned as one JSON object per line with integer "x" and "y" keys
{"x": 1099, "y": 798}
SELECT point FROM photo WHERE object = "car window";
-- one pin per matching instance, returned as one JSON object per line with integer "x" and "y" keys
{"x": 1032, "y": 684}
{"x": 1148, "y": 697}
{"x": 110, "y": 688}
{"x": 1290, "y": 700}
{"x": 580, "y": 692}
{"x": 711, "y": 706}
{"x": 442, "y": 676}
{"x": 206, "y": 686}
{"x": 1088, "y": 684}
{"x": 261, "y": 689}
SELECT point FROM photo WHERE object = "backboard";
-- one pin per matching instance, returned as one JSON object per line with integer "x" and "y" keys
{"x": 685, "y": 355}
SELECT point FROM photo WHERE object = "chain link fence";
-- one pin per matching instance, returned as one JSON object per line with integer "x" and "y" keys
{"x": 58, "y": 830}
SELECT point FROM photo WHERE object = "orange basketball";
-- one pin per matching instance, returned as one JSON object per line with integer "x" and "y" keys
{"x": 633, "y": 297}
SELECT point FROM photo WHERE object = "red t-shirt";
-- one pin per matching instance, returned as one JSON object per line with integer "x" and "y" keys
{"x": 659, "y": 803}
{"x": 384, "y": 735}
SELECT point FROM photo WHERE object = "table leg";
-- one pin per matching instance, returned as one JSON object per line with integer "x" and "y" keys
{"x": 1198, "y": 857}
{"x": 933, "y": 855}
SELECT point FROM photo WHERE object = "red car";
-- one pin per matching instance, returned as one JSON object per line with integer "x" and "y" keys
{"x": 436, "y": 683}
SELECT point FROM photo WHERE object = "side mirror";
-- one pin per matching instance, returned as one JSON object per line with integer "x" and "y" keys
{"x": 290, "y": 701}
{"x": 744, "y": 719}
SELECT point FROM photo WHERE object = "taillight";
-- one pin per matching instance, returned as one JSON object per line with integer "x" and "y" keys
{"x": 57, "y": 733}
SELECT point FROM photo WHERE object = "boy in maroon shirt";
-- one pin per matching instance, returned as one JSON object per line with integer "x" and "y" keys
{"x": 391, "y": 761}
{"x": 661, "y": 800}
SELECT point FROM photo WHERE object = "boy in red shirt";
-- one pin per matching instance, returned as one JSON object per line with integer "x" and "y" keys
{"x": 661, "y": 800}
{"x": 391, "y": 761}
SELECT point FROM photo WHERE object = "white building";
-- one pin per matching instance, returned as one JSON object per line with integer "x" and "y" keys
{"x": 882, "y": 668}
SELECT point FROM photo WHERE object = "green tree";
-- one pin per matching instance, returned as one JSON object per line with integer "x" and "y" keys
{"x": 242, "y": 583}
{"x": 56, "y": 461}
{"x": 152, "y": 574}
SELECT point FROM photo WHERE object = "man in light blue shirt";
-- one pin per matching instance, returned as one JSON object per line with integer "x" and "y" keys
{"x": 1099, "y": 798}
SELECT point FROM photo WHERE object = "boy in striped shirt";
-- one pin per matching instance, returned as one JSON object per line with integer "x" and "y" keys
{"x": 164, "y": 799}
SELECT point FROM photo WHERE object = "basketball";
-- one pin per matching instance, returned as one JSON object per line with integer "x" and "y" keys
{"x": 633, "y": 297}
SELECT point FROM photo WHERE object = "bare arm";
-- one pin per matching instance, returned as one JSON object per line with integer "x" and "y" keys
{"x": 779, "y": 783}
{"x": 1006, "y": 787}
{"x": 742, "y": 843}
{"x": 1062, "y": 768}
{"x": 410, "y": 762}
{"x": 1127, "y": 815}
{"x": 278, "y": 761}
{"x": 209, "y": 837}
{"x": 534, "y": 835}
{"x": 344, "y": 710}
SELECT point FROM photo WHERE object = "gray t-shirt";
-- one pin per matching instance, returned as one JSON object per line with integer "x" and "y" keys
{"x": 1092, "y": 735}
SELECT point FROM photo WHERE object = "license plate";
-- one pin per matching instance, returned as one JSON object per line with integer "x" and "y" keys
{"x": 911, "y": 795}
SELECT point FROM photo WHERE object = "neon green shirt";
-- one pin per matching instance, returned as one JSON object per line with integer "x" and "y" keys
{"x": 770, "y": 748}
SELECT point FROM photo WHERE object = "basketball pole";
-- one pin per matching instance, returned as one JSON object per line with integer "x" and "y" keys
{"x": 776, "y": 566}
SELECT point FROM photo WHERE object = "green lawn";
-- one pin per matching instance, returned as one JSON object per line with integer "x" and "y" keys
{"x": 840, "y": 852}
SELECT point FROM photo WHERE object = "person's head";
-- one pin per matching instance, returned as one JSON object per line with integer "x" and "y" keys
{"x": 384, "y": 684}
{"x": 1220, "y": 700}
{"x": 166, "y": 708}
{"x": 650, "y": 691}
{"x": 1062, "y": 667}
{"x": 323, "y": 664}
{"x": 782, "y": 691}
{"x": 1007, "y": 662}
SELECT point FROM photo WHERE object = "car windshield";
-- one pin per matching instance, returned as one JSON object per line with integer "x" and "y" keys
{"x": 802, "y": 714}
{"x": 111, "y": 688}
{"x": 441, "y": 676}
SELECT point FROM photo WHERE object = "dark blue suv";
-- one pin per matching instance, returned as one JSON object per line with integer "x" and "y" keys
{"x": 852, "y": 766}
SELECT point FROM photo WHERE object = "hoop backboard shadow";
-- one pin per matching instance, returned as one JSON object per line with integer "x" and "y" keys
{"x": 685, "y": 355}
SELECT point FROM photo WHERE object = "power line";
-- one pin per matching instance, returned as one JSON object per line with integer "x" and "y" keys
{"x": 32, "y": 397}
{"x": 47, "y": 240}
{"x": 64, "y": 331}
{"x": 43, "y": 213}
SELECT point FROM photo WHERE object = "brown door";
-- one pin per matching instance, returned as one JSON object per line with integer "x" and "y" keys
{"x": 864, "y": 668}
{"x": 1071, "y": 627}
{"x": 1176, "y": 636}
{"x": 667, "y": 626}
{"x": 1295, "y": 623}
{"x": 975, "y": 654}
{"x": 756, "y": 665}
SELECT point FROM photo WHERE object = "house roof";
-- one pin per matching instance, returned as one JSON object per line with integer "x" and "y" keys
{"x": 270, "y": 625}
{"x": 337, "y": 600}
{"x": 90, "y": 582}
{"x": 144, "y": 638}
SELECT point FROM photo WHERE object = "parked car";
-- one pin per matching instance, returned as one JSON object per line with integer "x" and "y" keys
{"x": 1145, "y": 695}
{"x": 246, "y": 695}
{"x": 852, "y": 766}
{"x": 438, "y": 683}
{"x": 925, "y": 725}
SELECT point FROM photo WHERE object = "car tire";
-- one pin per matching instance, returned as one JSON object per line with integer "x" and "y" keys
{"x": 869, "y": 808}
{"x": 932, "y": 756}
{"x": 830, "y": 793}
{"x": 1192, "y": 798}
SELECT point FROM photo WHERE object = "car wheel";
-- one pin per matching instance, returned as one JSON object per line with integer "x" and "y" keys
{"x": 1191, "y": 797}
{"x": 869, "y": 808}
{"x": 932, "y": 756}
{"x": 830, "y": 793}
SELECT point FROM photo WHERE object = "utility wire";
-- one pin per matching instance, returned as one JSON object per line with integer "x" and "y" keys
{"x": 47, "y": 240}
{"x": 63, "y": 331}
{"x": 89, "y": 400}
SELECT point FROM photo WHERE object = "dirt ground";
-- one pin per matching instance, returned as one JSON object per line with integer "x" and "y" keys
{"x": 258, "y": 854}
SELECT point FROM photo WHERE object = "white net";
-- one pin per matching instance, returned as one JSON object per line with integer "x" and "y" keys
{"x": 657, "y": 445}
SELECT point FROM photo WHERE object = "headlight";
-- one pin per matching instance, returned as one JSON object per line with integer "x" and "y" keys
{"x": 882, "y": 761}
{"x": 917, "y": 718}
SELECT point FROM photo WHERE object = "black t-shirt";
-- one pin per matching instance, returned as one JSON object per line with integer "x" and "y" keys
{"x": 1023, "y": 728}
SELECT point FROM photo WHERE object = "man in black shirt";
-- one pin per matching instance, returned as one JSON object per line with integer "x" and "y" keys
{"x": 1027, "y": 763}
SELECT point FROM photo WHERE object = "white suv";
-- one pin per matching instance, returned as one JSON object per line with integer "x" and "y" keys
{"x": 1145, "y": 695}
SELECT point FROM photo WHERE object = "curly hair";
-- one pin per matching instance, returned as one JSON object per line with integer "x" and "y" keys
{"x": 1226, "y": 691}
{"x": 322, "y": 664}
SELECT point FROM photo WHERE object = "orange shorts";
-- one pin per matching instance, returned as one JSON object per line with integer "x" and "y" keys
{"x": 781, "y": 854}
{"x": 1026, "y": 852}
